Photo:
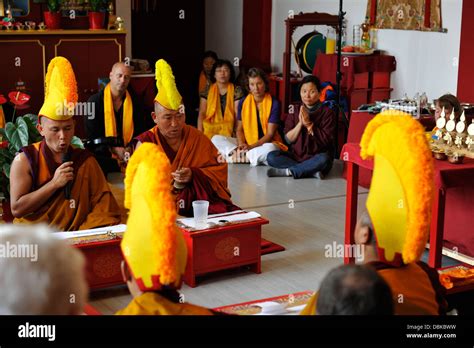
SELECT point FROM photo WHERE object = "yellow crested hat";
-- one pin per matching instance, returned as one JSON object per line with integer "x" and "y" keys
{"x": 168, "y": 95}
{"x": 60, "y": 92}
{"x": 153, "y": 246}
{"x": 402, "y": 188}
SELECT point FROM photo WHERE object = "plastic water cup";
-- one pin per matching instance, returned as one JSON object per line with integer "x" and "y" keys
{"x": 200, "y": 210}
{"x": 356, "y": 40}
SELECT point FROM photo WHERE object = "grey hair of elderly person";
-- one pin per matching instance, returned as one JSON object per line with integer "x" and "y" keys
{"x": 40, "y": 274}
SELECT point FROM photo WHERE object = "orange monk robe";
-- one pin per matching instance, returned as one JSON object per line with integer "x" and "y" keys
{"x": 152, "y": 303}
{"x": 209, "y": 181}
{"x": 204, "y": 82}
{"x": 91, "y": 203}
{"x": 416, "y": 289}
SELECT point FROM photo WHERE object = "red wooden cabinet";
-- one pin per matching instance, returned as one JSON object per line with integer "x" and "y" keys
{"x": 26, "y": 55}
{"x": 365, "y": 78}
{"x": 223, "y": 248}
{"x": 103, "y": 261}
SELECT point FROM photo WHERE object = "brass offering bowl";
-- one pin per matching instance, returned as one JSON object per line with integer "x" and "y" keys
{"x": 439, "y": 154}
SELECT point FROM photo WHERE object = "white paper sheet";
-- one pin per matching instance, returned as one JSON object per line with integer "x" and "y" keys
{"x": 214, "y": 219}
{"x": 275, "y": 308}
{"x": 91, "y": 232}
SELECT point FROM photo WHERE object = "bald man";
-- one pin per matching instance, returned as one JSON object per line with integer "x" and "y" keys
{"x": 116, "y": 119}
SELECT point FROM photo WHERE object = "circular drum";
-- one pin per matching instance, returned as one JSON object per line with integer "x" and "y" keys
{"x": 308, "y": 48}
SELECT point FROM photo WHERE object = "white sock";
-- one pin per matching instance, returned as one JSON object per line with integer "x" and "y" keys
{"x": 288, "y": 172}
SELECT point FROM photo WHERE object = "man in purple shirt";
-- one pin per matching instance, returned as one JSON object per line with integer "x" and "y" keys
{"x": 310, "y": 132}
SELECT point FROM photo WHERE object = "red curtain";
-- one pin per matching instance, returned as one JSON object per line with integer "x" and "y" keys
{"x": 466, "y": 55}
{"x": 256, "y": 34}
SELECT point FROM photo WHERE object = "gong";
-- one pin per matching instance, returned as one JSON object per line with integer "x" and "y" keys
{"x": 308, "y": 48}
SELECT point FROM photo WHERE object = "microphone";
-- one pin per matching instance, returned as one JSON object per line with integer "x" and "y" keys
{"x": 67, "y": 189}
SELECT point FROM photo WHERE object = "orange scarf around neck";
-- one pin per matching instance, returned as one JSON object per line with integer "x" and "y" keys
{"x": 109, "y": 116}
{"x": 250, "y": 124}
{"x": 214, "y": 104}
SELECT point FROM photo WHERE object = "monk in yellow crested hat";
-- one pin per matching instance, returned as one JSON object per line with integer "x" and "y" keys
{"x": 402, "y": 187}
{"x": 60, "y": 93}
{"x": 393, "y": 232}
{"x": 43, "y": 187}
{"x": 168, "y": 95}
{"x": 197, "y": 171}
{"x": 153, "y": 247}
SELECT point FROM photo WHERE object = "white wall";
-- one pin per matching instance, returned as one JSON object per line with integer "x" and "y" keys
{"x": 124, "y": 10}
{"x": 224, "y": 27}
{"x": 426, "y": 61}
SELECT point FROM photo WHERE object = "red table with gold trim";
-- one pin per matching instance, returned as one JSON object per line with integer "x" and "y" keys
{"x": 447, "y": 177}
{"x": 230, "y": 246}
{"x": 103, "y": 259}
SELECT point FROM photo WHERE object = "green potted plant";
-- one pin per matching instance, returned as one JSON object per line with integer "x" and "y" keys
{"x": 52, "y": 18}
{"x": 97, "y": 14}
{"x": 15, "y": 135}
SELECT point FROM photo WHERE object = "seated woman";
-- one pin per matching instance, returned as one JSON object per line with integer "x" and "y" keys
{"x": 208, "y": 60}
{"x": 310, "y": 132}
{"x": 449, "y": 102}
{"x": 258, "y": 116}
{"x": 219, "y": 102}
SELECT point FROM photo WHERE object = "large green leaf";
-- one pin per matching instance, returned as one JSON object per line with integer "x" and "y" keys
{"x": 35, "y": 136}
{"x": 6, "y": 169}
{"x": 12, "y": 149}
{"x": 13, "y": 137}
{"x": 3, "y": 133}
{"x": 22, "y": 129}
{"x": 77, "y": 143}
{"x": 6, "y": 156}
{"x": 31, "y": 117}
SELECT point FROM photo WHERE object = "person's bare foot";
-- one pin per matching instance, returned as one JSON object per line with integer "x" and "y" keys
{"x": 239, "y": 157}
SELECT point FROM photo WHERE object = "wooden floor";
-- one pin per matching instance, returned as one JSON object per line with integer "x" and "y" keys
{"x": 305, "y": 215}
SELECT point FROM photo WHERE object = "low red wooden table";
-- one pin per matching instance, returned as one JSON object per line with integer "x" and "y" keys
{"x": 447, "y": 176}
{"x": 103, "y": 259}
{"x": 219, "y": 248}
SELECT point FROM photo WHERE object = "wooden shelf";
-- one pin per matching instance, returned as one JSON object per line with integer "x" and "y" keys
{"x": 62, "y": 32}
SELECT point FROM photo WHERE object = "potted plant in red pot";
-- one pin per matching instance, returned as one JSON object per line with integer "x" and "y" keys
{"x": 52, "y": 18}
{"x": 97, "y": 14}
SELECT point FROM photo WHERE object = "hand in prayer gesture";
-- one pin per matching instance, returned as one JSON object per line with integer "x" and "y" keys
{"x": 63, "y": 174}
{"x": 183, "y": 175}
{"x": 305, "y": 120}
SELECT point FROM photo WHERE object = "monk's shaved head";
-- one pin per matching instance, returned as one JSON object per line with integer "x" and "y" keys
{"x": 119, "y": 78}
{"x": 120, "y": 65}
{"x": 159, "y": 108}
{"x": 43, "y": 120}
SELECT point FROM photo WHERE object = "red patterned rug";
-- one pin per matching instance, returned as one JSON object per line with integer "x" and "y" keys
{"x": 268, "y": 247}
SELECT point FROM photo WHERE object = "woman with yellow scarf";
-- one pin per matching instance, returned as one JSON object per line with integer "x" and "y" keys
{"x": 219, "y": 102}
{"x": 258, "y": 117}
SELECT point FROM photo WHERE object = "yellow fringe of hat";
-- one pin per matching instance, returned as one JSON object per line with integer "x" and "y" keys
{"x": 168, "y": 95}
{"x": 153, "y": 246}
{"x": 60, "y": 92}
{"x": 402, "y": 188}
